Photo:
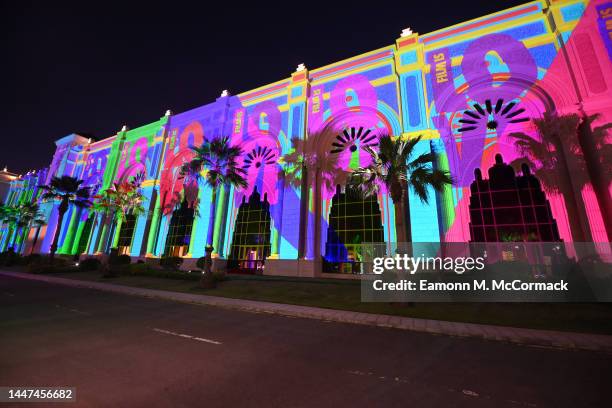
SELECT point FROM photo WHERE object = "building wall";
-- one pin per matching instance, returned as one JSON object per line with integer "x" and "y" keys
{"x": 537, "y": 57}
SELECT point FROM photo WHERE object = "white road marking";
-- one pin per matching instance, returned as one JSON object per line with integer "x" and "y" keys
{"x": 186, "y": 336}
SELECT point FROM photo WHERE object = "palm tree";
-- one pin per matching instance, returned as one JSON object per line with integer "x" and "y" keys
{"x": 38, "y": 223}
{"x": 29, "y": 215}
{"x": 307, "y": 159}
{"x": 304, "y": 156}
{"x": 218, "y": 160}
{"x": 396, "y": 168}
{"x": 103, "y": 206}
{"x": 116, "y": 203}
{"x": 10, "y": 216}
{"x": 20, "y": 217}
{"x": 68, "y": 191}
{"x": 557, "y": 159}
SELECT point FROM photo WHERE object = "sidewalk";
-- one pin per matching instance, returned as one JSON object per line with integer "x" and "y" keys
{"x": 530, "y": 337}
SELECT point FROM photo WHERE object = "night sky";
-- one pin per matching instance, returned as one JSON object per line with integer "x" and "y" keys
{"x": 90, "y": 67}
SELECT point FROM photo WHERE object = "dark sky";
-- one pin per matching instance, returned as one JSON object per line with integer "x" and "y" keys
{"x": 91, "y": 67}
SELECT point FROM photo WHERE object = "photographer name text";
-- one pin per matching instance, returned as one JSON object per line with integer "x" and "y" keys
{"x": 424, "y": 285}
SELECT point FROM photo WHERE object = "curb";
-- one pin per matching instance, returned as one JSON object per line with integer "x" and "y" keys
{"x": 527, "y": 337}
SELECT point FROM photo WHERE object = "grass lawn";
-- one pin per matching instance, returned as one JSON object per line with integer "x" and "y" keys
{"x": 345, "y": 295}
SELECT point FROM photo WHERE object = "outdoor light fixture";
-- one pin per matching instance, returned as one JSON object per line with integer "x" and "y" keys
{"x": 406, "y": 32}
{"x": 124, "y": 128}
{"x": 300, "y": 68}
{"x": 168, "y": 112}
{"x": 224, "y": 93}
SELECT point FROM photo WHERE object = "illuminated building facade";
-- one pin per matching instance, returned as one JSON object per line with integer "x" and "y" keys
{"x": 464, "y": 88}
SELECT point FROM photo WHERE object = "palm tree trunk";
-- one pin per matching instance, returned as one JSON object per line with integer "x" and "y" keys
{"x": 35, "y": 239}
{"x": 317, "y": 215}
{"x": 99, "y": 245}
{"x": 407, "y": 217}
{"x": 108, "y": 245}
{"x": 303, "y": 227}
{"x": 401, "y": 230}
{"x": 9, "y": 238}
{"x": 24, "y": 238}
{"x": 63, "y": 207}
{"x": 90, "y": 236}
{"x": 399, "y": 196}
{"x": 2, "y": 246}
{"x": 7, "y": 241}
{"x": 573, "y": 199}
{"x": 573, "y": 212}
{"x": 211, "y": 221}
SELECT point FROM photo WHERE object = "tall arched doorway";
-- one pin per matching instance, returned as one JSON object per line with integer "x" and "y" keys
{"x": 354, "y": 219}
{"x": 126, "y": 233}
{"x": 251, "y": 240}
{"x": 179, "y": 231}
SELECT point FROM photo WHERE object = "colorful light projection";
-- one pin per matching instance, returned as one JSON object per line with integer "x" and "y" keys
{"x": 178, "y": 152}
{"x": 465, "y": 89}
{"x": 261, "y": 146}
{"x": 498, "y": 87}
{"x": 481, "y": 81}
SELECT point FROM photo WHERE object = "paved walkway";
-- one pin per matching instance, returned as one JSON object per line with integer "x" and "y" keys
{"x": 531, "y": 337}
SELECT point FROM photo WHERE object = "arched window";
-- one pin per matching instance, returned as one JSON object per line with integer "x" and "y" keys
{"x": 251, "y": 241}
{"x": 179, "y": 232}
{"x": 354, "y": 219}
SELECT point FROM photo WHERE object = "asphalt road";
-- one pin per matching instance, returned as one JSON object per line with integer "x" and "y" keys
{"x": 123, "y": 351}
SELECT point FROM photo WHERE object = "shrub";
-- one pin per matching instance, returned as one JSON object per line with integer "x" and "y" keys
{"x": 120, "y": 260}
{"x": 43, "y": 268}
{"x": 33, "y": 259}
{"x": 90, "y": 264}
{"x": 109, "y": 273}
{"x": 219, "y": 276}
{"x": 46, "y": 267}
{"x": 139, "y": 268}
{"x": 61, "y": 262}
{"x": 171, "y": 262}
{"x": 210, "y": 280}
{"x": 179, "y": 275}
{"x": 115, "y": 259}
{"x": 9, "y": 257}
{"x": 148, "y": 270}
{"x": 200, "y": 262}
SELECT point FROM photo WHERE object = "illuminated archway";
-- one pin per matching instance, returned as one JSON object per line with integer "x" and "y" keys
{"x": 251, "y": 239}
{"x": 343, "y": 141}
{"x": 354, "y": 219}
{"x": 85, "y": 235}
{"x": 179, "y": 231}
{"x": 126, "y": 234}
